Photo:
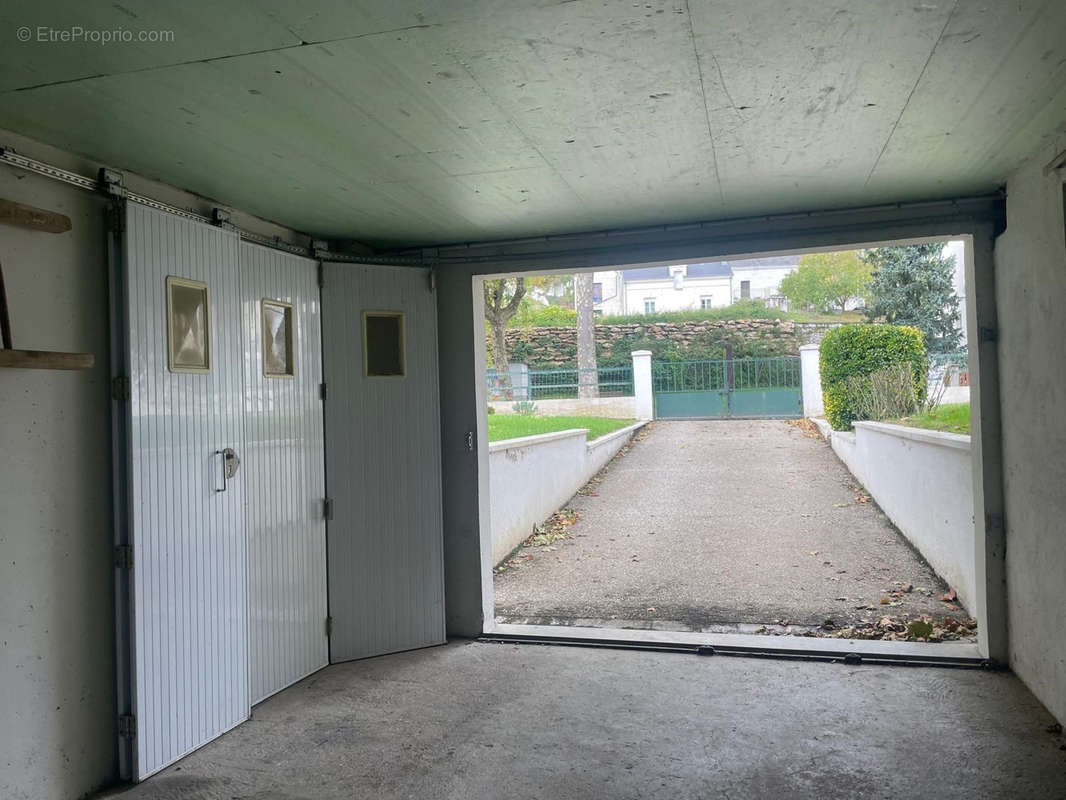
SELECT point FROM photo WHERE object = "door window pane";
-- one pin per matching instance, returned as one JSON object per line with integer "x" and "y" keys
{"x": 277, "y": 339}
{"x": 188, "y": 326}
{"x": 383, "y": 345}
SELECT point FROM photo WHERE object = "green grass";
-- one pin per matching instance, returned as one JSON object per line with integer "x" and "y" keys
{"x": 508, "y": 426}
{"x": 950, "y": 418}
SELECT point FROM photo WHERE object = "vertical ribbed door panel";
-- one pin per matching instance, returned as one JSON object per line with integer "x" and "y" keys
{"x": 284, "y": 476}
{"x": 189, "y": 613}
{"x": 385, "y": 541}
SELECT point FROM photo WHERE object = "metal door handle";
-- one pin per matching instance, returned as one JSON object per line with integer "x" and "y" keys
{"x": 230, "y": 462}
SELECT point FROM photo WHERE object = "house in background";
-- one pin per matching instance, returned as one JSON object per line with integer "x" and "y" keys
{"x": 760, "y": 279}
{"x": 679, "y": 287}
{"x": 685, "y": 287}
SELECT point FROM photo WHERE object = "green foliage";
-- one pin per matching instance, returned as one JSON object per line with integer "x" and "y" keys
{"x": 741, "y": 309}
{"x": 536, "y": 315}
{"x": 825, "y": 281}
{"x": 524, "y": 408}
{"x": 914, "y": 285}
{"x": 850, "y": 353}
{"x": 950, "y": 417}
{"x": 505, "y": 426}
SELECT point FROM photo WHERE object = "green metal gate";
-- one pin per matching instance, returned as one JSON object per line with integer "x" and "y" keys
{"x": 740, "y": 387}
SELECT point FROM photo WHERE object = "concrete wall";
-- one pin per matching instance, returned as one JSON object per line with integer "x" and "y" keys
{"x": 1031, "y": 294}
{"x": 923, "y": 481}
{"x": 612, "y": 407}
{"x": 532, "y": 477}
{"x": 57, "y": 663}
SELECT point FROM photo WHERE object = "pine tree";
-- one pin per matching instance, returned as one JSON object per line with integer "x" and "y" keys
{"x": 914, "y": 285}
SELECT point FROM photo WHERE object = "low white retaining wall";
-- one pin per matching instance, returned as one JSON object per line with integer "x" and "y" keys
{"x": 613, "y": 407}
{"x": 532, "y": 477}
{"x": 923, "y": 481}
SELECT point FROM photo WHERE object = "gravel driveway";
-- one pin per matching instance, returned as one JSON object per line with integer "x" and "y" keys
{"x": 722, "y": 525}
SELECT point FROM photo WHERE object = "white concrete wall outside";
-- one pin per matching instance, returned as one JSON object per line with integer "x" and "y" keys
{"x": 532, "y": 477}
{"x": 923, "y": 481}
{"x": 610, "y": 407}
{"x": 1031, "y": 297}
{"x": 811, "y": 380}
{"x": 642, "y": 384}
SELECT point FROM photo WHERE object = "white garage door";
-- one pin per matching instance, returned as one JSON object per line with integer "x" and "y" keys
{"x": 222, "y": 446}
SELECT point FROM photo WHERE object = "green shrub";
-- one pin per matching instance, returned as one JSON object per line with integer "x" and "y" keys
{"x": 850, "y": 353}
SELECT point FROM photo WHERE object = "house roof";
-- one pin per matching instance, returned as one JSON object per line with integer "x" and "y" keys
{"x": 759, "y": 263}
{"x": 709, "y": 269}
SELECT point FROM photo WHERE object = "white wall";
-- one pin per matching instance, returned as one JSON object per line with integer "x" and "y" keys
{"x": 611, "y": 407}
{"x": 532, "y": 477}
{"x": 613, "y": 300}
{"x": 923, "y": 481}
{"x": 1031, "y": 295}
{"x": 667, "y": 298}
{"x": 57, "y": 665}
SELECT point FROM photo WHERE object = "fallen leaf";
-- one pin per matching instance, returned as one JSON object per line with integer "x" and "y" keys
{"x": 949, "y": 596}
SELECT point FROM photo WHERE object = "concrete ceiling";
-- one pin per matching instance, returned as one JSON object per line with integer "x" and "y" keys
{"x": 405, "y": 122}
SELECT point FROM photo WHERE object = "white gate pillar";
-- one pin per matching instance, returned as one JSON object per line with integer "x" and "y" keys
{"x": 645, "y": 405}
{"x": 812, "y": 381}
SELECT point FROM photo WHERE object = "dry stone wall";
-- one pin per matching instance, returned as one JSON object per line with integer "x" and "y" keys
{"x": 557, "y": 346}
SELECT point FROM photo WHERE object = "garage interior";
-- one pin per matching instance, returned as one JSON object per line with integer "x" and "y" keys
{"x": 347, "y": 172}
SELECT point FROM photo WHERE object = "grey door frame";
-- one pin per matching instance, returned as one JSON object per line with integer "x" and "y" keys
{"x": 461, "y": 268}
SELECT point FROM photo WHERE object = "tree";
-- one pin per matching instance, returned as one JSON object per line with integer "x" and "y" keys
{"x": 825, "y": 281}
{"x": 502, "y": 298}
{"x": 914, "y": 285}
{"x": 588, "y": 384}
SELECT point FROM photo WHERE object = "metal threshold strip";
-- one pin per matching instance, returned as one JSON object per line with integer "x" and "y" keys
{"x": 963, "y": 655}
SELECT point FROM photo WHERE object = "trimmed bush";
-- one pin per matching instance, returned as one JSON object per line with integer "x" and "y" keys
{"x": 850, "y": 353}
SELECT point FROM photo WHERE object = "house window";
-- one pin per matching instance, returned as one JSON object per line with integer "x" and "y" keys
{"x": 597, "y": 293}
{"x": 277, "y": 339}
{"x": 745, "y": 289}
{"x": 706, "y": 301}
{"x": 649, "y": 305}
{"x": 188, "y": 326}
{"x": 383, "y": 344}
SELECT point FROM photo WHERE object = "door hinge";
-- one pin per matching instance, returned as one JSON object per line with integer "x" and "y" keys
{"x": 120, "y": 388}
{"x": 127, "y": 726}
{"x": 329, "y": 626}
{"x": 124, "y": 556}
{"x": 322, "y": 390}
{"x": 327, "y": 508}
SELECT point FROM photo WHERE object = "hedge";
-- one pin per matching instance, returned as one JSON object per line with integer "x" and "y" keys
{"x": 852, "y": 351}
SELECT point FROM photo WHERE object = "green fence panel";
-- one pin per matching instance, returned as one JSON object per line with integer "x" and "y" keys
{"x": 749, "y": 387}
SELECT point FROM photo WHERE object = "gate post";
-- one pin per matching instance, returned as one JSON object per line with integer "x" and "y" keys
{"x": 811, "y": 381}
{"x": 645, "y": 405}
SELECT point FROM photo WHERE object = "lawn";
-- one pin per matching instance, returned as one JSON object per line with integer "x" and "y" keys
{"x": 509, "y": 426}
{"x": 950, "y": 418}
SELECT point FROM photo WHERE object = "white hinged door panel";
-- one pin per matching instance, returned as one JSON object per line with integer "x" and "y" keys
{"x": 189, "y": 615}
{"x": 284, "y": 473}
{"x": 386, "y": 581}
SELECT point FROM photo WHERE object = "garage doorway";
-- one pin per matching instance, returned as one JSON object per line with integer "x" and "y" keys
{"x": 554, "y": 534}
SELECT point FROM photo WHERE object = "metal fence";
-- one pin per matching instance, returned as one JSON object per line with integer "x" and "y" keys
{"x": 739, "y": 374}
{"x": 559, "y": 384}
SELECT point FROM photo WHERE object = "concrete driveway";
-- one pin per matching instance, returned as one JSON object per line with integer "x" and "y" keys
{"x": 723, "y": 525}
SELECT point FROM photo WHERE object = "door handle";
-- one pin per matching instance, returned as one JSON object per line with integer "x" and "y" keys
{"x": 230, "y": 462}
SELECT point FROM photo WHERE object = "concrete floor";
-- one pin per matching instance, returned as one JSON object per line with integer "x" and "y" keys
{"x": 472, "y": 720}
{"x": 706, "y": 523}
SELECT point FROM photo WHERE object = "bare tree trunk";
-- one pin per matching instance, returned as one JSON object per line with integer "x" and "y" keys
{"x": 501, "y": 362}
{"x": 498, "y": 310}
{"x": 587, "y": 377}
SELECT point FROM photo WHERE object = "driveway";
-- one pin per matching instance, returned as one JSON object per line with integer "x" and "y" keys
{"x": 723, "y": 525}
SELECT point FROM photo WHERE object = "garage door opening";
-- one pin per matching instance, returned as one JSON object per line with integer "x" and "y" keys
{"x": 662, "y": 464}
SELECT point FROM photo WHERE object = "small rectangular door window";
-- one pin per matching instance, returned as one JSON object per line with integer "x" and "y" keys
{"x": 383, "y": 345}
{"x": 277, "y": 339}
{"x": 745, "y": 289}
{"x": 188, "y": 326}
